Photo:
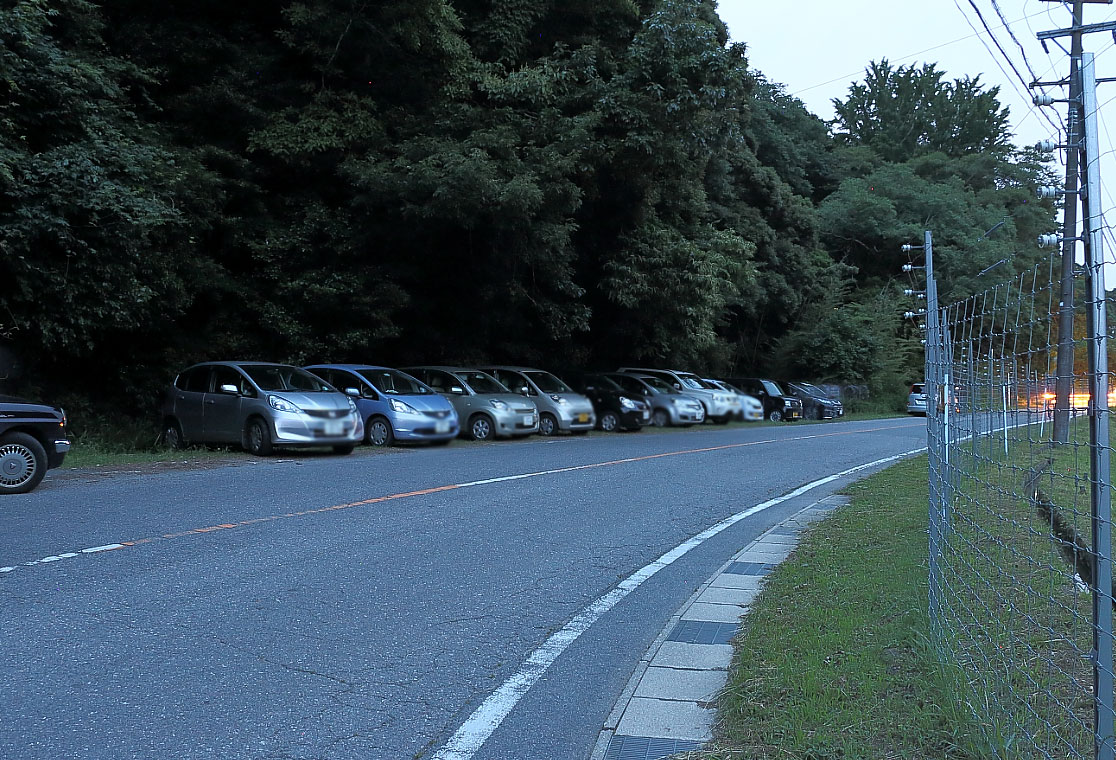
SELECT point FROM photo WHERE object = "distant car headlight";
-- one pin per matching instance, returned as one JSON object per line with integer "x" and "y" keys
{"x": 558, "y": 399}
{"x": 403, "y": 407}
{"x": 498, "y": 404}
{"x": 626, "y": 403}
{"x": 281, "y": 404}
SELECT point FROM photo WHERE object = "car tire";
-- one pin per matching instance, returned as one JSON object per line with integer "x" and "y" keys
{"x": 343, "y": 449}
{"x": 610, "y": 422}
{"x": 380, "y": 432}
{"x": 172, "y": 436}
{"x": 23, "y": 463}
{"x": 481, "y": 428}
{"x": 660, "y": 418}
{"x": 257, "y": 437}
{"x": 775, "y": 415}
{"x": 547, "y": 424}
{"x": 812, "y": 413}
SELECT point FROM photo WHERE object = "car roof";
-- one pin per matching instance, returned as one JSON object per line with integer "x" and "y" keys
{"x": 444, "y": 368}
{"x": 509, "y": 368}
{"x": 352, "y": 367}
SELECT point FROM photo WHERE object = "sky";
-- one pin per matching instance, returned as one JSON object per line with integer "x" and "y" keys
{"x": 816, "y": 48}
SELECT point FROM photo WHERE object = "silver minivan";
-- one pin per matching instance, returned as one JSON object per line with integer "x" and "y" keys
{"x": 258, "y": 405}
{"x": 560, "y": 407}
{"x": 485, "y": 407}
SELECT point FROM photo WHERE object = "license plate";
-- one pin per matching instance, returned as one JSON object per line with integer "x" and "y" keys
{"x": 334, "y": 427}
{"x": 583, "y": 417}
{"x": 646, "y": 415}
{"x": 528, "y": 419}
{"x": 442, "y": 426}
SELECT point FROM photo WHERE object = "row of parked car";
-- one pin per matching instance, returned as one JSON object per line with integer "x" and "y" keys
{"x": 260, "y": 406}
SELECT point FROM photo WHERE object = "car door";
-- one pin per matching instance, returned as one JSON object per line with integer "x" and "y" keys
{"x": 189, "y": 401}
{"x": 223, "y": 417}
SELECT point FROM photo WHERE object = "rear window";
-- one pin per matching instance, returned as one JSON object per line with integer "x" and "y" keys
{"x": 918, "y": 388}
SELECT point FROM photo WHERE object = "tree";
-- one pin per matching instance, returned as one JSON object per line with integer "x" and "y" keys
{"x": 907, "y": 111}
{"x": 91, "y": 201}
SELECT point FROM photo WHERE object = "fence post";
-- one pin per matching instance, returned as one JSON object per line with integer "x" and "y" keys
{"x": 1098, "y": 421}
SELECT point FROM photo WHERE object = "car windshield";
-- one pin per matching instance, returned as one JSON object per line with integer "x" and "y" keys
{"x": 603, "y": 382}
{"x": 395, "y": 383}
{"x": 482, "y": 383}
{"x": 812, "y": 390}
{"x": 279, "y": 377}
{"x": 658, "y": 384}
{"x": 715, "y": 385}
{"x": 772, "y": 388}
{"x": 548, "y": 383}
{"x": 691, "y": 381}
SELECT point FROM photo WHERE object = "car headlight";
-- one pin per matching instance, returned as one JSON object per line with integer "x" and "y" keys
{"x": 403, "y": 407}
{"x": 558, "y": 399}
{"x": 498, "y": 404}
{"x": 281, "y": 404}
{"x": 352, "y": 405}
{"x": 626, "y": 403}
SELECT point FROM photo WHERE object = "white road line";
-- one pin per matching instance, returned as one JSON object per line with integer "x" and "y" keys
{"x": 474, "y": 732}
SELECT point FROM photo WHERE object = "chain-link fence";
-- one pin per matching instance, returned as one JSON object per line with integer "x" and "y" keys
{"x": 1015, "y": 515}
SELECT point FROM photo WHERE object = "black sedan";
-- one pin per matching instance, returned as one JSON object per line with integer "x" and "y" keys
{"x": 33, "y": 439}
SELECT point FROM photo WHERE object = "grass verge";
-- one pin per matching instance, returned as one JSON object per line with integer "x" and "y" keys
{"x": 833, "y": 659}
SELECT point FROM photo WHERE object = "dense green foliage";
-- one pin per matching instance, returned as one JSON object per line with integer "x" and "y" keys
{"x": 579, "y": 183}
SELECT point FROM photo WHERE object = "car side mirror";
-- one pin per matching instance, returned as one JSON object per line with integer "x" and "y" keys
{"x": 355, "y": 392}
{"x": 457, "y": 390}
{"x": 229, "y": 388}
{"x": 678, "y": 386}
{"x": 524, "y": 391}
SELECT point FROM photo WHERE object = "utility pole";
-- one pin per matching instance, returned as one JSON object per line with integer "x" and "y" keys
{"x": 1063, "y": 373}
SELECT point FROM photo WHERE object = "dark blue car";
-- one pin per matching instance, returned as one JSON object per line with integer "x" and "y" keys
{"x": 395, "y": 406}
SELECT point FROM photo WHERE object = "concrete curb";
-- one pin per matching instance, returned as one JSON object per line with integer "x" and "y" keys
{"x": 667, "y": 705}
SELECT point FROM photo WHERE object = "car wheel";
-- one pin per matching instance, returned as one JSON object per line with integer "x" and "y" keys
{"x": 258, "y": 437}
{"x": 22, "y": 463}
{"x": 813, "y": 414}
{"x": 547, "y": 424}
{"x": 480, "y": 427}
{"x": 660, "y": 418}
{"x": 172, "y": 436}
{"x": 775, "y": 416}
{"x": 610, "y": 422}
{"x": 380, "y": 432}
{"x": 343, "y": 449}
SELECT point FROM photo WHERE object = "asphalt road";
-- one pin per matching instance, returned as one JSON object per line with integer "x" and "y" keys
{"x": 362, "y": 607}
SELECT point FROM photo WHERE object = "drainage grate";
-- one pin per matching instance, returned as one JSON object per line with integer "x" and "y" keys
{"x": 702, "y": 632}
{"x": 646, "y": 747}
{"x": 750, "y": 568}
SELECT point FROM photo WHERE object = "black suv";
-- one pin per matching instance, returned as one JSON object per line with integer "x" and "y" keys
{"x": 777, "y": 405}
{"x": 816, "y": 405}
{"x": 33, "y": 439}
{"x": 616, "y": 409}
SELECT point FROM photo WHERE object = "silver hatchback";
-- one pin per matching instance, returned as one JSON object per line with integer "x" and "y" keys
{"x": 258, "y": 406}
{"x": 560, "y": 407}
{"x": 486, "y": 408}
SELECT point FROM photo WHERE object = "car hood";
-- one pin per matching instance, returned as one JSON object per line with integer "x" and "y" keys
{"x": 32, "y": 405}
{"x": 514, "y": 400}
{"x": 427, "y": 402}
{"x": 571, "y": 398}
{"x": 314, "y": 401}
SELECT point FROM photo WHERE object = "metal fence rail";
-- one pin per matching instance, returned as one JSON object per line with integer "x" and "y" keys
{"x": 1015, "y": 607}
